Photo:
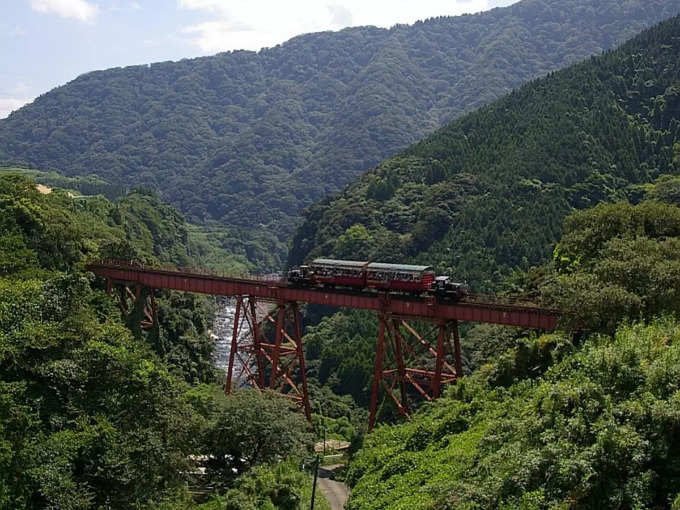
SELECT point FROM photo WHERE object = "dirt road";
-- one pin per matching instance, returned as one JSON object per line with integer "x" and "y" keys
{"x": 335, "y": 492}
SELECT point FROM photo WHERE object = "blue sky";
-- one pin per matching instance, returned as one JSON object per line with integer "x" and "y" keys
{"x": 46, "y": 43}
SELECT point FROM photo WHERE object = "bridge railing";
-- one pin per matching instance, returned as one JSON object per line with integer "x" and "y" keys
{"x": 507, "y": 300}
{"x": 275, "y": 278}
{"x": 134, "y": 265}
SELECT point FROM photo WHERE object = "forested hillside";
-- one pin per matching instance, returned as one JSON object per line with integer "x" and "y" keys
{"x": 555, "y": 422}
{"x": 95, "y": 413}
{"x": 248, "y": 139}
{"x": 597, "y": 430}
{"x": 487, "y": 194}
{"x": 485, "y": 199}
{"x": 576, "y": 175}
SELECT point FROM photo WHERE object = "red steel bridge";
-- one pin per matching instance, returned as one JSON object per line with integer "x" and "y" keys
{"x": 414, "y": 349}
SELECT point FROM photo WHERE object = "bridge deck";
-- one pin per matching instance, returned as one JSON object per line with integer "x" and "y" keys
{"x": 272, "y": 289}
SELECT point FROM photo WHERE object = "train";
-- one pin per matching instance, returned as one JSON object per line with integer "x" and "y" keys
{"x": 366, "y": 275}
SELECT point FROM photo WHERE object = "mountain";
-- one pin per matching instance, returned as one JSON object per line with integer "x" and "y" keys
{"x": 488, "y": 193}
{"x": 546, "y": 420}
{"x": 597, "y": 429}
{"x": 94, "y": 414}
{"x": 558, "y": 420}
{"x": 249, "y": 139}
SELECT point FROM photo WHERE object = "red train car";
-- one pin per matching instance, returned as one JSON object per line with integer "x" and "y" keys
{"x": 375, "y": 275}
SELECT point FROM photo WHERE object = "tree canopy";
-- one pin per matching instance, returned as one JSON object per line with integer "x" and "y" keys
{"x": 598, "y": 429}
{"x": 94, "y": 414}
{"x": 488, "y": 193}
{"x": 244, "y": 141}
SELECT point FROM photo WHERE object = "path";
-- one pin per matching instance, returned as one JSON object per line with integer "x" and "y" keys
{"x": 335, "y": 492}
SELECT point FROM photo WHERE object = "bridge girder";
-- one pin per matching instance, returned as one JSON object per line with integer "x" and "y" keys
{"x": 275, "y": 358}
{"x": 414, "y": 362}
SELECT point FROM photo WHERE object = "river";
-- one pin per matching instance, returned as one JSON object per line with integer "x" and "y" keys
{"x": 222, "y": 331}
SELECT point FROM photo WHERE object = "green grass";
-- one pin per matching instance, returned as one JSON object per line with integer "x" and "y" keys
{"x": 81, "y": 185}
{"x": 596, "y": 430}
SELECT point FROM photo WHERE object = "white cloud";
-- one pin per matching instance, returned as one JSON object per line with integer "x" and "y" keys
{"x": 125, "y": 8}
{"x": 501, "y": 3}
{"x": 253, "y": 24}
{"x": 17, "y": 31}
{"x": 77, "y": 9}
{"x": 9, "y": 104}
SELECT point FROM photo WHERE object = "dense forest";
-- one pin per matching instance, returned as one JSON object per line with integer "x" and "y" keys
{"x": 488, "y": 193}
{"x": 555, "y": 420}
{"x": 565, "y": 191}
{"x": 95, "y": 413}
{"x": 485, "y": 199}
{"x": 246, "y": 140}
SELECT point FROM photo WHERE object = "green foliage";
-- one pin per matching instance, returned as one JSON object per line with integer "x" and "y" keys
{"x": 616, "y": 261}
{"x": 354, "y": 244}
{"x": 596, "y": 430}
{"x": 248, "y": 428}
{"x": 281, "y": 487}
{"x": 43, "y": 227}
{"x": 335, "y": 415}
{"x": 81, "y": 185}
{"x": 89, "y": 417}
{"x": 54, "y": 231}
{"x": 92, "y": 416}
{"x": 183, "y": 336}
{"x": 340, "y": 352}
{"x": 41, "y": 233}
{"x": 665, "y": 189}
{"x": 547, "y": 425}
{"x": 249, "y": 139}
{"x": 487, "y": 194}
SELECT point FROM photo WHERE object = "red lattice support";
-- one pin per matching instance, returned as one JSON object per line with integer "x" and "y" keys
{"x": 142, "y": 302}
{"x": 268, "y": 361}
{"x": 409, "y": 360}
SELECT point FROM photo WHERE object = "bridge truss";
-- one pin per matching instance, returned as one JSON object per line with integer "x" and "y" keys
{"x": 418, "y": 346}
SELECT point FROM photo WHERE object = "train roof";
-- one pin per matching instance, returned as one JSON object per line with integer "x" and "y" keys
{"x": 398, "y": 267}
{"x": 335, "y": 262}
{"x": 380, "y": 266}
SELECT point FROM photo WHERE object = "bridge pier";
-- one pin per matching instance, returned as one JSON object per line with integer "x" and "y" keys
{"x": 277, "y": 357}
{"x": 399, "y": 361}
{"x": 138, "y": 306}
{"x": 415, "y": 360}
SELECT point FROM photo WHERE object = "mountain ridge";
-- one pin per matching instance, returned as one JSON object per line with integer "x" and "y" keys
{"x": 248, "y": 139}
{"x": 487, "y": 194}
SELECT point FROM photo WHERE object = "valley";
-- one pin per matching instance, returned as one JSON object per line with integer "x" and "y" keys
{"x": 531, "y": 153}
{"x": 244, "y": 141}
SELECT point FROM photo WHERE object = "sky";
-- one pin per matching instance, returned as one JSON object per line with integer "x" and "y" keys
{"x": 46, "y": 43}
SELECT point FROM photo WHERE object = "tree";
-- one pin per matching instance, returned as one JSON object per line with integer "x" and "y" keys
{"x": 249, "y": 428}
{"x": 355, "y": 244}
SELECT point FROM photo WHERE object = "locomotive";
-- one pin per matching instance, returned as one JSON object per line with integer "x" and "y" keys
{"x": 376, "y": 275}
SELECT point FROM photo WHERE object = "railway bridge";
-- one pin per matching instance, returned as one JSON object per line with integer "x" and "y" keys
{"x": 414, "y": 347}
